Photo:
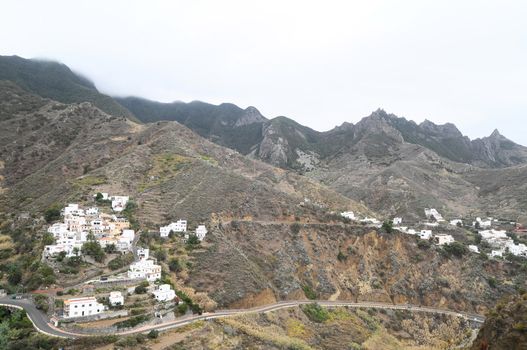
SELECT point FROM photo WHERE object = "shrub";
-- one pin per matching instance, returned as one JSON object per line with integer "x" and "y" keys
{"x": 341, "y": 256}
{"x": 309, "y": 292}
{"x": 182, "y": 308}
{"x": 492, "y": 282}
{"x": 142, "y": 288}
{"x": 457, "y": 249}
{"x": 132, "y": 321}
{"x": 153, "y": 334}
{"x": 315, "y": 312}
{"x": 387, "y": 226}
{"x": 295, "y": 228}
{"x": 174, "y": 265}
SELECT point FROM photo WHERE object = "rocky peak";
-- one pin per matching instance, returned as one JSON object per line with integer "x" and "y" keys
{"x": 379, "y": 122}
{"x": 346, "y": 126}
{"x": 496, "y": 134}
{"x": 445, "y": 130}
{"x": 250, "y": 115}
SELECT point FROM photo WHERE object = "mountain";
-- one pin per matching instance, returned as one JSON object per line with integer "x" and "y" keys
{"x": 393, "y": 165}
{"x": 226, "y": 124}
{"x": 56, "y": 81}
{"x": 273, "y": 234}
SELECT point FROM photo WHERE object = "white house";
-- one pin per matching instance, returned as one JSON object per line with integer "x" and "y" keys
{"x": 473, "y": 248}
{"x": 455, "y": 222}
{"x": 370, "y": 220}
{"x": 143, "y": 253}
{"x": 58, "y": 229}
{"x": 145, "y": 269}
{"x": 164, "y": 293}
{"x": 79, "y": 307}
{"x": 129, "y": 235}
{"x": 517, "y": 249}
{"x": 397, "y": 221}
{"x": 433, "y": 213}
{"x": 425, "y": 234}
{"x": 119, "y": 203}
{"x": 348, "y": 215}
{"x": 495, "y": 253}
{"x": 93, "y": 211}
{"x": 201, "y": 232}
{"x": 178, "y": 226}
{"x": 483, "y": 223}
{"x": 442, "y": 239}
{"x": 73, "y": 209}
{"x": 116, "y": 298}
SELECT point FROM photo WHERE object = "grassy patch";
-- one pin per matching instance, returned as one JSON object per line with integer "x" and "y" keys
{"x": 165, "y": 166}
{"x": 90, "y": 181}
{"x": 296, "y": 329}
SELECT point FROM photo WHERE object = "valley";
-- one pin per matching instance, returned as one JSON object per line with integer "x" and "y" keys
{"x": 282, "y": 220}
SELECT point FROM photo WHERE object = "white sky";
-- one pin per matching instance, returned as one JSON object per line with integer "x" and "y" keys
{"x": 318, "y": 62}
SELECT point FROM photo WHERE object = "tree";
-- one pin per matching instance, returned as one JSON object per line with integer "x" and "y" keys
{"x": 52, "y": 214}
{"x": 141, "y": 288}
{"x": 14, "y": 274}
{"x": 193, "y": 240}
{"x": 457, "y": 249}
{"x": 160, "y": 254}
{"x": 182, "y": 308}
{"x": 387, "y": 226}
{"x": 110, "y": 248}
{"x": 98, "y": 197}
{"x": 93, "y": 249}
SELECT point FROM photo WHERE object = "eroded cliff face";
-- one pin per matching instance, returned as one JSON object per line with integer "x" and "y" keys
{"x": 348, "y": 262}
{"x": 273, "y": 148}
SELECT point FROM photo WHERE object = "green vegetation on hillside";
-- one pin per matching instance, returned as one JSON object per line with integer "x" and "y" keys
{"x": 57, "y": 82}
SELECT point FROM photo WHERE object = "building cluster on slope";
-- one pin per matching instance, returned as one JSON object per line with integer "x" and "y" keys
{"x": 502, "y": 243}
{"x": 180, "y": 226}
{"x": 497, "y": 239}
{"x": 77, "y": 226}
{"x": 145, "y": 267}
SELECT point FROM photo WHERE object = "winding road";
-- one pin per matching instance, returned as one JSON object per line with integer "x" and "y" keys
{"x": 42, "y": 323}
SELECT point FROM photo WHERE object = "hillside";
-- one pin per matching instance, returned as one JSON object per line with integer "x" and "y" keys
{"x": 505, "y": 327}
{"x": 56, "y": 81}
{"x": 333, "y": 329}
{"x": 52, "y": 154}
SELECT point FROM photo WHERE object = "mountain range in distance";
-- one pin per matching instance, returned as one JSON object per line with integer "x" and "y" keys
{"x": 392, "y": 165}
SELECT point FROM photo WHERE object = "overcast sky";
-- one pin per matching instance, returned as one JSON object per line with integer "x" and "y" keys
{"x": 318, "y": 62}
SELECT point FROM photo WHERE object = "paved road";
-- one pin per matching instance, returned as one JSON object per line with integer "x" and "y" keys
{"x": 41, "y": 322}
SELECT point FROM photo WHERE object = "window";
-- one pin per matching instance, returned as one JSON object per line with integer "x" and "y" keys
{"x": 76, "y": 306}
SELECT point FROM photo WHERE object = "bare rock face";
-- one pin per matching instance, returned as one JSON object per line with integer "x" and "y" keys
{"x": 498, "y": 151}
{"x": 251, "y": 115}
{"x": 273, "y": 148}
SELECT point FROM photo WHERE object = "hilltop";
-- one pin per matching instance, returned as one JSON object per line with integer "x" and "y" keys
{"x": 50, "y": 79}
